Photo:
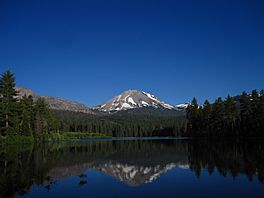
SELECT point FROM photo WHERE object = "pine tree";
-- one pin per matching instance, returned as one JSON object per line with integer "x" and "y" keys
{"x": 261, "y": 113}
{"x": 193, "y": 116}
{"x": 206, "y": 116}
{"x": 218, "y": 113}
{"x": 245, "y": 112}
{"x": 44, "y": 121}
{"x": 26, "y": 124}
{"x": 231, "y": 115}
{"x": 40, "y": 114}
{"x": 9, "y": 105}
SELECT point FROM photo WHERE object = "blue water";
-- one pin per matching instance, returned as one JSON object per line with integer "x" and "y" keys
{"x": 139, "y": 168}
{"x": 176, "y": 183}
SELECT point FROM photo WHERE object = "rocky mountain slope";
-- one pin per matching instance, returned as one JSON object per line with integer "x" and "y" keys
{"x": 25, "y": 92}
{"x": 56, "y": 103}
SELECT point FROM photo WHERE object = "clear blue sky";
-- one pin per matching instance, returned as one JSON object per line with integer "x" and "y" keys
{"x": 89, "y": 51}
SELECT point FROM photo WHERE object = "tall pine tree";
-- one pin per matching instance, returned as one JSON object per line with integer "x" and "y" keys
{"x": 8, "y": 102}
{"x": 26, "y": 123}
{"x": 193, "y": 117}
{"x": 231, "y": 116}
{"x": 245, "y": 112}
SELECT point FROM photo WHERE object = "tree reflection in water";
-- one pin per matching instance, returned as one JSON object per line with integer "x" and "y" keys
{"x": 133, "y": 162}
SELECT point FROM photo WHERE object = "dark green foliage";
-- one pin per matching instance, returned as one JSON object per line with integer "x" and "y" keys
{"x": 44, "y": 120}
{"x": 8, "y": 103}
{"x": 123, "y": 124}
{"x": 236, "y": 116}
{"x": 22, "y": 116}
{"x": 245, "y": 111}
{"x": 27, "y": 115}
{"x": 193, "y": 116}
{"x": 231, "y": 114}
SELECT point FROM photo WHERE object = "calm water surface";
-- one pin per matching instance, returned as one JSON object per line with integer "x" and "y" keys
{"x": 134, "y": 168}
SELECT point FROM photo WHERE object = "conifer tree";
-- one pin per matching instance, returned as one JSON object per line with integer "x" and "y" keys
{"x": 192, "y": 115}
{"x": 254, "y": 107}
{"x": 206, "y": 116}
{"x": 231, "y": 115}
{"x": 45, "y": 121}
{"x": 26, "y": 124}
{"x": 40, "y": 112}
{"x": 245, "y": 111}
{"x": 261, "y": 113}
{"x": 8, "y": 103}
{"x": 236, "y": 116}
{"x": 218, "y": 113}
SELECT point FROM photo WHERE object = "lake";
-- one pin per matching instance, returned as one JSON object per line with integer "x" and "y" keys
{"x": 134, "y": 168}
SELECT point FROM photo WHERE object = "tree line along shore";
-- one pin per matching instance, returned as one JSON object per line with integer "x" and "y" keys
{"x": 28, "y": 119}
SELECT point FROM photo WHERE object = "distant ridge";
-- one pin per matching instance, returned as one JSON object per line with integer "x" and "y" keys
{"x": 128, "y": 100}
{"x": 56, "y": 103}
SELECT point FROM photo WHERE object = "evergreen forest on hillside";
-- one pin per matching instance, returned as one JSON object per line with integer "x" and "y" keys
{"x": 240, "y": 116}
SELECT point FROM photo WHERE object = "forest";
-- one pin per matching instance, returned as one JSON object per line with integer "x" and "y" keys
{"x": 25, "y": 116}
{"x": 122, "y": 124}
{"x": 239, "y": 116}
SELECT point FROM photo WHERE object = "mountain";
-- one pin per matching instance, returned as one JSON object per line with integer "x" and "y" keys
{"x": 66, "y": 105}
{"x": 56, "y": 103}
{"x": 133, "y": 99}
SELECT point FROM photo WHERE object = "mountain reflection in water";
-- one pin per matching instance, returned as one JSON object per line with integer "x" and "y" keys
{"x": 133, "y": 162}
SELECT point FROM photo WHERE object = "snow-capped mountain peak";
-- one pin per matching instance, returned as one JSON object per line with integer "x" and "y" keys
{"x": 133, "y": 99}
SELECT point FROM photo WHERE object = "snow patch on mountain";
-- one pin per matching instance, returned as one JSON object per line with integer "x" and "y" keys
{"x": 144, "y": 103}
{"x": 152, "y": 97}
{"x": 133, "y": 99}
{"x": 130, "y": 100}
{"x": 182, "y": 106}
{"x": 126, "y": 106}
